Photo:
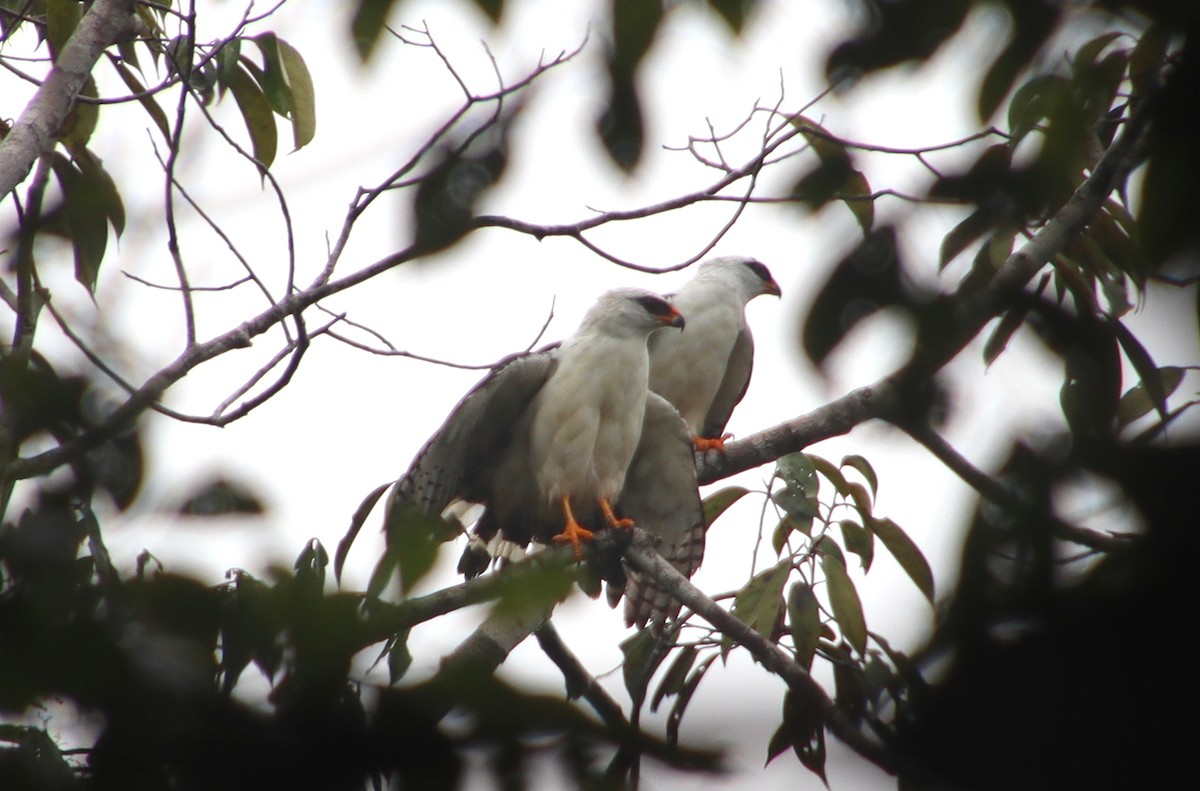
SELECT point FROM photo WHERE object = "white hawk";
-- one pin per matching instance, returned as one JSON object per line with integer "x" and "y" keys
{"x": 545, "y": 441}
{"x": 705, "y": 372}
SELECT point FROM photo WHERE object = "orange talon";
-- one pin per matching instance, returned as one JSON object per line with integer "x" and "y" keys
{"x": 711, "y": 443}
{"x": 611, "y": 518}
{"x": 573, "y": 532}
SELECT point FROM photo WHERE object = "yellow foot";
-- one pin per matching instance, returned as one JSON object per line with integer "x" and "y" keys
{"x": 611, "y": 518}
{"x": 711, "y": 443}
{"x": 573, "y": 532}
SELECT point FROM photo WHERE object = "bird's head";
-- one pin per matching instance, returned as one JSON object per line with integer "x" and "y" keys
{"x": 749, "y": 276}
{"x": 633, "y": 311}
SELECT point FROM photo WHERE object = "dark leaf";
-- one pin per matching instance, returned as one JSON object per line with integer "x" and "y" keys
{"x": 843, "y": 599}
{"x": 1137, "y": 402}
{"x": 148, "y": 102}
{"x": 760, "y": 602}
{"x": 804, "y": 621}
{"x": 256, "y": 113}
{"x": 636, "y": 669}
{"x": 356, "y": 523}
{"x": 369, "y": 24}
{"x": 399, "y": 657}
{"x": 221, "y": 497}
{"x": 831, "y": 473}
{"x": 1152, "y": 383}
{"x": 684, "y": 698}
{"x": 862, "y": 283}
{"x": 859, "y": 541}
{"x": 864, "y": 468}
{"x": 413, "y": 540}
{"x": 676, "y": 676}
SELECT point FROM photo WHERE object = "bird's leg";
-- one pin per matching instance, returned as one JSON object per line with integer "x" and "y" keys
{"x": 611, "y": 518}
{"x": 573, "y": 532}
{"x": 711, "y": 443}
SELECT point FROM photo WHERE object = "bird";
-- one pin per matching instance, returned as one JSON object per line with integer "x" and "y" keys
{"x": 704, "y": 372}
{"x": 544, "y": 441}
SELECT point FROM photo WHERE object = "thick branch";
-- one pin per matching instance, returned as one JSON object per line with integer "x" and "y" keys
{"x": 36, "y": 131}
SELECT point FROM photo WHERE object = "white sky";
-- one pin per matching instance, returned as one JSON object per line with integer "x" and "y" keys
{"x": 350, "y": 420}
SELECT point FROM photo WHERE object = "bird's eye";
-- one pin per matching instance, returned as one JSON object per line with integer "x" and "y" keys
{"x": 759, "y": 270}
{"x": 655, "y": 306}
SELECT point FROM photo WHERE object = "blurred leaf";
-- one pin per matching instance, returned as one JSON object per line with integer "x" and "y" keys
{"x": 863, "y": 282}
{"x": 963, "y": 236}
{"x": 310, "y": 567}
{"x": 368, "y": 24}
{"x": 675, "y": 678}
{"x": 786, "y": 526}
{"x": 675, "y": 717}
{"x": 906, "y": 553}
{"x": 856, "y": 194}
{"x": 356, "y": 522}
{"x": 399, "y": 657}
{"x": 1152, "y": 383}
{"x": 733, "y": 12}
{"x": 843, "y": 599}
{"x": 86, "y": 207}
{"x": 720, "y": 501}
{"x": 493, "y": 8}
{"x": 62, "y": 17}
{"x": 803, "y": 731}
{"x": 148, "y": 102}
{"x": 1033, "y": 23}
{"x": 256, "y": 112}
{"x": 1146, "y": 60}
{"x": 897, "y": 32}
{"x": 864, "y": 468}
{"x": 304, "y": 103}
{"x": 228, "y": 57}
{"x": 804, "y": 620}
{"x": 221, "y": 497}
{"x": 636, "y": 669}
{"x": 413, "y": 540}
{"x": 760, "y": 602}
{"x": 1136, "y": 401}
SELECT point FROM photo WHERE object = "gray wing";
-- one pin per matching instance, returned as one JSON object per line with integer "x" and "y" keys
{"x": 456, "y": 462}
{"x": 733, "y": 385}
{"x": 662, "y": 497}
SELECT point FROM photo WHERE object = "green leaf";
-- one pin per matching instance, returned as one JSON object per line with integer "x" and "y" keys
{"x": 86, "y": 221}
{"x": 831, "y": 473}
{"x": 906, "y": 554}
{"x": 149, "y": 104}
{"x": 864, "y": 468}
{"x": 804, "y": 621}
{"x": 733, "y": 12}
{"x": 1034, "y": 102}
{"x": 858, "y": 540}
{"x": 843, "y": 599}
{"x": 787, "y": 525}
{"x": 759, "y": 603}
{"x": 256, "y": 112}
{"x": 1137, "y": 401}
{"x": 797, "y": 471}
{"x": 963, "y": 235}
{"x": 861, "y": 499}
{"x": 356, "y": 522}
{"x": 719, "y": 501}
{"x": 304, "y": 103}
{"x": 62, "y": 17}
{"x": 102, "y": 188}
{"x": 803, "y": 731}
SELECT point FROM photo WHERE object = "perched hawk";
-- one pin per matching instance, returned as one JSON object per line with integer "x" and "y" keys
{"x": 545, "y": 441}
{"x": 705, "y": 371}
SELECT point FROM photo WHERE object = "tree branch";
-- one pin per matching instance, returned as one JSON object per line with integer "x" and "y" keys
{"x": 36, "y": 131}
